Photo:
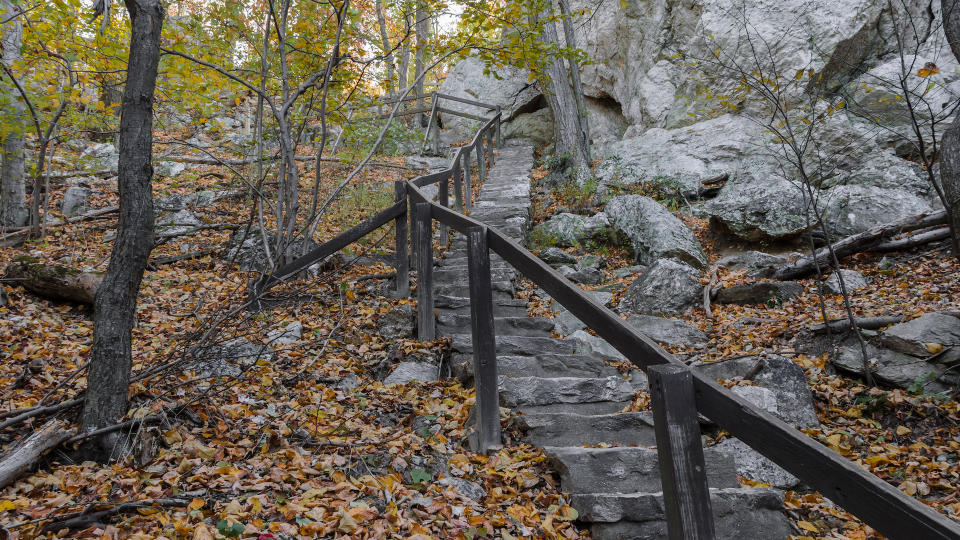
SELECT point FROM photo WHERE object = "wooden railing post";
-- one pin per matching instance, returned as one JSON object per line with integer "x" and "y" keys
{"x": 423, "y": 233}
{"x": 686, "y": 497}
{"x": 403, "y": 241}
{"x": 467, "y": 189}
{"x": 481, "y": 161}
{"x": 443, "y": 197}
{"x": 458, "y": 182}
{"x": 499, "y": 132}
{"x": 484, "y": 342}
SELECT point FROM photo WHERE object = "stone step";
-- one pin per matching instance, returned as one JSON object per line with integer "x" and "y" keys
{"x": 627, "y": 469}
{"x": 462, "y": 288}
{"x": 568, "y": 429}
{"x": 581, "y": 395}
{"x": 541, "y": 365}
{"x": 445, "y": 275}
{"x": 500, "y": 299}
{"x": 506, "y": 326}
{"x": 738, "y": 513}
{"x": 518, "y": 345}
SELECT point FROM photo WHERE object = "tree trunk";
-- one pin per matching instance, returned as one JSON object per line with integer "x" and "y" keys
{"x": 423, "y": 34}
{"x": 950, "y": 10}
{"x": 567, "y": 127}
{"x": 13, "y": 196}
{"x": 115, "y": 304}
{"x": 571, "y": 40}
{"x": 385, "y": 45}
{"x": 54, "y": 281}
{"x": 950, "y": 179}
{"x": 404, "y": 68}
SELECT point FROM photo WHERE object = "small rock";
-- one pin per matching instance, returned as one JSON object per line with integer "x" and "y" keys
{"x": 667, "y": 287}
{"x": 892, "y": 367}
{"x": 629, "y": 271}
{"x": 397, "y": 323}
{"x": 923, "y": 336}
{"x": 288, "y": 335}
{"x": 553, "y": 255}
{"x": 227, "y": 360}
{"x": 169, "y": 169}
{"x": 758, "y": 263}
{"x": 560, "y": 230}
{"x": 668, "y": 332}
{"x": 591, "y": 261}
{"x": 468, "y": 489}
{"x": 853, "y": 280}
{"x": 412, "y": 371}
{"x": 587, "y": 276}
{"x": 590, "y": 344}
{"x": 177, "y": 223}
{"x": 75, "y": 200}
{"x": 347, "y": 383}
{"x": 760, "y": 292}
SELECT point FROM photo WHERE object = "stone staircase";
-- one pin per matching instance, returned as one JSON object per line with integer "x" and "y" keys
{"x": 569, "y": 403}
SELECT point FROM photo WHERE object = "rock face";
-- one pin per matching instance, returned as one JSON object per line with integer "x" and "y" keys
{"x": 654, "y": 232}
{"x": 630, "y": 45}
{"x": 667, "y": 287}
{"x": 760, "y": 292}
{"x": 511, "y": 89}
{"x": 854, "y": 209}
{"x": 853, "y": 280}
{"x": 536, "y": 127}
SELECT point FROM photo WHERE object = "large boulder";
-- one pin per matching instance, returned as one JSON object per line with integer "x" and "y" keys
{"x": 925, "y": 335}
{"x": 654, "y": 231}
{"x": 567, "y": 229}
{"x": 760, "y": 292}
{"x": 892, "y": 367}
{"x": 667, "y": 287}
{"x": 853, "y": 209}
{"x": 506, "y": 86}
{"x": 75, "y": 201}
{"x": 759, "y": 209}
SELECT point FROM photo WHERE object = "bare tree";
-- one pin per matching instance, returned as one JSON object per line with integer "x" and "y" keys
{"x": 385, "y": 45}
{"x": 115, "y": 304}
{"x": 422, "y": 25}
{"x": 13, "y": 197}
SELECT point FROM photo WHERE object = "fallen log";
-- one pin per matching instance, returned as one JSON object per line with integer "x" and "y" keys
{"x": 864, "y": 323}
{"x": 90, "y": 516}
{"x": 22, "y": 458}
{"x": 856, "y": 243}
{"x": 912, "y": 241}
{"x": 54, "y": 281}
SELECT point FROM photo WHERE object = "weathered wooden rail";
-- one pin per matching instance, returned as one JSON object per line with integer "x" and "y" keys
{"x": 678, "y": 392}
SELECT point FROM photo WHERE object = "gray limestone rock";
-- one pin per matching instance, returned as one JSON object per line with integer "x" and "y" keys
{"x": 853, "y": 280}
{"x": 536, "y": 127}
{"x": 892, "y": 367}
{"x": 667, "y": 287}
{"x": 566, "y": 230}
{"x": 759, "y": 292}
{"x": 566, "y": 323}
{"x": 291, "y": 333}
{"x": 75, "y": 200}
{"x": 668, "y": 332}
{"x": 853, "y": 209}
{"x": 589, "y": 344}
{"x": 758, "y": 264}
{"x": 229, "y": 359}
{"x": 758, "y": 209}
{"x": 101, "y": 156}
{"x": 912, "y": 337}
{"x": 654, "y": 232}
{"x": 412, "y": 371}
{"x": 468, "y": 489}
{"x": 587, "y": 276}
{"x": 554, "y": 256}
{"x": 398, "y": 323}
{"x": 520, "y": 391}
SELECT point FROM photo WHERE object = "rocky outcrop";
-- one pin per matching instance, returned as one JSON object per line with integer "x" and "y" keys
{"x": 654, "y": 232}
{"x": 568, "y": 230}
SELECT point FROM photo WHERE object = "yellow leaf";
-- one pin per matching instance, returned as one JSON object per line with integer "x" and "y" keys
{"x": 266, "y": 380}
{"x": 807, "y": 526}
{"x": 347, "y": 524}
{"x": 934, "y": 348}
{"x": 195, "y": 504}
{"x": 902, "y": 430}
{"x": 7, "y": 505}
{"x": 568, "y": 513}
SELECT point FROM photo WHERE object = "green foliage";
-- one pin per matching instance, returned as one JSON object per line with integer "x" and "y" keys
{"x": 229, "y": 531}
{"x": 540, "y": 238}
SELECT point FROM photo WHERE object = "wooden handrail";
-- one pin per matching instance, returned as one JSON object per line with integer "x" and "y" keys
{"x": 879, "y": 504}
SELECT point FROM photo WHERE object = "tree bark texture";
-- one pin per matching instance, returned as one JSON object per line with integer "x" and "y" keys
{"x": 385, "y": 45}
{"x": 950, "y": 179}
{"x": 571, "y": 41}
{"x": 54, "y": 281}
{"x": 567, "y": 128}
{"x": 116, "y": 300}
{"x": 950, "y": 10}
{"x": 13, "y": 197}
{"x": 423, "y": 35}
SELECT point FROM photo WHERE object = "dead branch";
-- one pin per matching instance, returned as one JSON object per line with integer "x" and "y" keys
{"x": 25, "y": 455}
{"x": 910, "y": 242}
{"x": 866, "y": 323}
{"x": 88, "y": 517}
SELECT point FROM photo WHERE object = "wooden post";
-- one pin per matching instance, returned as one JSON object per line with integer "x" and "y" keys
{"x": 491, "y": 146}
{"x": 458, "y": 182}
{"x": 403, "y": 239}
{"x": 444, "y": 199}
{"x": 499, "y": 132}
{"x": 487, "y": 406}
{"x": 423, "y": 230}
{"x": 481, "y": 161}
{"x": 683, "y": 474}
{"x": 467, "y": 189}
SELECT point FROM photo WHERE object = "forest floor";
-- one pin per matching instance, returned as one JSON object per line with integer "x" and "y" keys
{"x": 309, "y": 443}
